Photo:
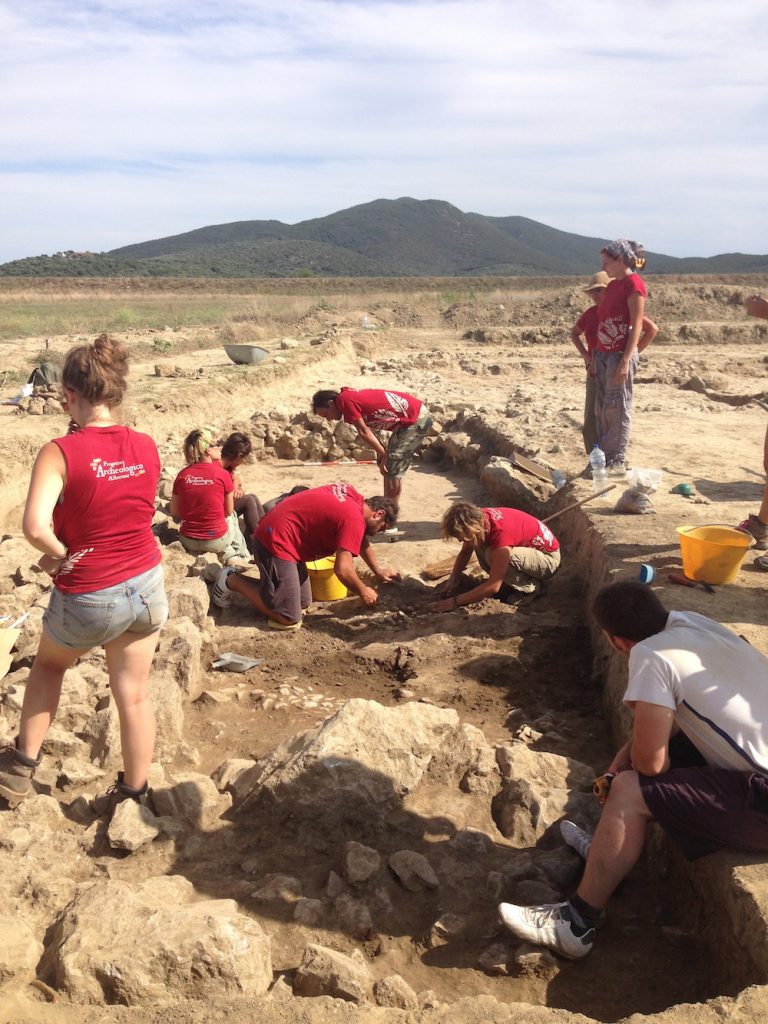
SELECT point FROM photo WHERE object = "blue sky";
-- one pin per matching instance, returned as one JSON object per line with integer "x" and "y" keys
{"x": 125, "y": 121}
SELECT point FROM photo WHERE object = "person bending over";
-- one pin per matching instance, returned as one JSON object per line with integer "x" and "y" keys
{"x": 517, "y": 551}
{"x": 406, "y": 417}
{"x": 696, "y": 762}
{"x": 305, "y": 527}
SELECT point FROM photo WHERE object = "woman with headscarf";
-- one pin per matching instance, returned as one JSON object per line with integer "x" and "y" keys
{"x": 620, "y": 324}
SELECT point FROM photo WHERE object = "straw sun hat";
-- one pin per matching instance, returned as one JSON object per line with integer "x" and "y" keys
{"x": 598, "y": 280}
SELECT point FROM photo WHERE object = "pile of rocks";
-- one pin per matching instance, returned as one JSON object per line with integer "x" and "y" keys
{"x": 44, "y": 401}
{"x": 311, "y": 439}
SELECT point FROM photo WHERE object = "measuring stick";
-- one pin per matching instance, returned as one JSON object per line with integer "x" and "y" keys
{"x": 576, "y": 504}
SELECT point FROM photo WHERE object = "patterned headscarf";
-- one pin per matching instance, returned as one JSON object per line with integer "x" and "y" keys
{"x": 628, "y": 252}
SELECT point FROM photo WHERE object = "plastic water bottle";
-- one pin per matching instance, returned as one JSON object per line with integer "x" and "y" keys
{"x": 599, "y": 473}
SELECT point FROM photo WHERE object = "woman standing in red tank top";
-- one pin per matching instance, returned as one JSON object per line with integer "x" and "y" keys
{"x": 89, "y": 511}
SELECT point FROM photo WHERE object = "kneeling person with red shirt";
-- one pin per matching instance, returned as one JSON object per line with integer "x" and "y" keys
{"x": 304, "y": 527}
{"x": 517, "y": 551}
{"x": 405, "y": 416}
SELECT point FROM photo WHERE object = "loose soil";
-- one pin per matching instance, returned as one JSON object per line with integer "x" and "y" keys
{"x": 498, "y": 667}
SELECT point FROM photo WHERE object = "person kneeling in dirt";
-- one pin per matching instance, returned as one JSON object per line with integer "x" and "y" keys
{"x": 707, "y": 786}
{"x": 407, "y": 417}
{"x": 517, "y": 551}
{"x": 305, "y": 527}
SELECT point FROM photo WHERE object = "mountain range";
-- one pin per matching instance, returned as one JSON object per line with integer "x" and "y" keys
{"x": 384, "y": 238}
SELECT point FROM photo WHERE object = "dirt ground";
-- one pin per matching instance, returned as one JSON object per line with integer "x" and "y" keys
{"x": 496, "y": 666}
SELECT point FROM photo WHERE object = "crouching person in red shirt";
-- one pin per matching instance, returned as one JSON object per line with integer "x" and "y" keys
{"x": 316, "y": 523}
{"x": 517, "y": 551}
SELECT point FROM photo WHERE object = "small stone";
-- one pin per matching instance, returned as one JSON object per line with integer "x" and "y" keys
{"x": 360, "y": 863}
{"x": 335, "y": 885}
{"x": 445, "y": 928}
{"x": 308, "y": 912}
{"x": 132, "y": 826}
{"x": 278, "y": 887}
{"x": 532, "y": 962}
{"x": 354, "y": 917}
{"x": 393, "y": 991}
{"x": 413, "y": 870}
{"x": 495, "y": 959}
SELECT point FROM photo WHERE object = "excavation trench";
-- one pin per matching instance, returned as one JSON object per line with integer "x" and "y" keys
{"x": 529, "y": 674}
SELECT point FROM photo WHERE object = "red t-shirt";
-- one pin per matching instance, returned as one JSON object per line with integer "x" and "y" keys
{"x": 511, "y": 528}
{"x": 587, "y": 325}
{"x": 201, "y": 489}
{"x": 104, "y": 515}
{"x": 314, "y": 524}
{"x": 386, "y": 410}
{"x": 613, "y": 313}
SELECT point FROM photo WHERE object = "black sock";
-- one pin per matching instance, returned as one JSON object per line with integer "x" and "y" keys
{"x": 584, "y": 916}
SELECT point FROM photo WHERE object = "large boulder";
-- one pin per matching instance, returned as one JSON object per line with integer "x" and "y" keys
{"x": 189, "y": 599}
{"x": 150, "y": 943}
{"x": 360, "y": 763}
{"x": 179, "y": 655}
{"x": 19, "y": 949}
{"x": 541, "y": 789}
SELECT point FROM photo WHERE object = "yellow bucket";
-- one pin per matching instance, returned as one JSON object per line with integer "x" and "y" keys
{"x": 713, "y": 554}
{"x": 326, "y": 585}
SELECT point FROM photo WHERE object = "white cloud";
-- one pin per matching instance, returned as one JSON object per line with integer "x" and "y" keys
{"x": 123, "y": 122}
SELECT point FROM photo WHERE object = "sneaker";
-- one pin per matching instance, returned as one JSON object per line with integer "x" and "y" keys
{"x": 761, "y": 563}
{"x": 576, "y": 838}
{"x": 757, "y": 529}
{"x": 616, "y": 469}
{"x": 221, "y": 595}
{"x": 273, "y": 624}
{"x": 550, "y": 925}
{"x": 105, "y": 804}
{"x": 16, "y": 772}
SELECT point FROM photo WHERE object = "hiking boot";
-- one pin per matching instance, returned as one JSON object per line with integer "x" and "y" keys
{"x": 761, "y": 563}
{"x": 756, "y": 528}
{"x": 221, "y": 595}
{"x": 616, "y": 469}
{"x": 576, "y": 838}
{"x": 551, "y": 925}
{"x": 16, "y": 772}
{"x": 104, "y": 805}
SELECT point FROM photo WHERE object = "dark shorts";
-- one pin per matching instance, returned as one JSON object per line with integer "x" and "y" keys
{"x": 284, "y": 585}
{"x": 706, "y": 809}
{"x": 405, "y": 442}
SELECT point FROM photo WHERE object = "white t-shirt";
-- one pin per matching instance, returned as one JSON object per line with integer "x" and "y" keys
{"x": 716, "y": 684}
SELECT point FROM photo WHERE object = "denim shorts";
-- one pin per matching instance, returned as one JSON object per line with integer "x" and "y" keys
{"x": 80, "y": 621}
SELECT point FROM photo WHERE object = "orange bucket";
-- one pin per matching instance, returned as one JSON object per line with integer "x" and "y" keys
{"x": 713, "y": 554}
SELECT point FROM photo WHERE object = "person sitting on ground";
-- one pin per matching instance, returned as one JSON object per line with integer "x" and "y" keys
{"x": 517, "y": 551}
{"x": 89, "y": 512}
{"x": 757, "y": 525}
{"x": 234, "y": 451}
{"x": 203, "y": 501}
{"x": 316, "y": 523}
{"x": 406, "y": 417}
{"x": 707, "y": 786}
{"x": 586, "y": 328}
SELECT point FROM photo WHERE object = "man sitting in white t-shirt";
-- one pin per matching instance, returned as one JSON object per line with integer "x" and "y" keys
{"x": 697, "y": 761}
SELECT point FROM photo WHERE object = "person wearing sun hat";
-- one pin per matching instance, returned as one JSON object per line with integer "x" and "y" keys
{"x": 586, "y": 328}
{"x": 621, "y": 319}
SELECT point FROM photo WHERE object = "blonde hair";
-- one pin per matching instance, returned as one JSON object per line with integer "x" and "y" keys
{"x": 97, "y": 371}
{"x": 196, "y": 444}
{"x": 465, "y": 522}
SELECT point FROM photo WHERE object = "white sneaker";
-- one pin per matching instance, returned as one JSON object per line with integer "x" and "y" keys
{"x": 548, "y": 925}
{"x": 576, "y": 838}
{"x": 221, "y": 595}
